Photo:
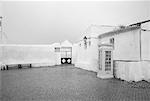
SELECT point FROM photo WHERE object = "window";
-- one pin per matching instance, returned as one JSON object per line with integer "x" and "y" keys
{"x": 112, "y": 40}
{"x": 57, "y": 49}
{"x": 89, "y": 43}
{"x": 80, "y": 44}
{"x": 66, "y": 49}
{"x": 85, "y": 44}
{"x": 107, "y": 60}
{"x": 66, "y": 52}
{"x": 63, "y": 55}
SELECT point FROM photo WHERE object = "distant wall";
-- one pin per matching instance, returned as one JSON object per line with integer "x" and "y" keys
{"x": 15, "y": 54}
{"x": 38, "y": 55}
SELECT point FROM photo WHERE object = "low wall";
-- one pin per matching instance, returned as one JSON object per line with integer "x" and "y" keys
{"x": 132, "y": 71}
{"x": 38, "y": 55}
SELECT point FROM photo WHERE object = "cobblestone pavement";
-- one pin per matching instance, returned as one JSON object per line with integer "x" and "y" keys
{"x": 67, "y": 83}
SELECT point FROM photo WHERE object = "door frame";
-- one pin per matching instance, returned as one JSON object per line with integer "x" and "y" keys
{"x": 66, "y": 57}
{"x": 102, "y": 56}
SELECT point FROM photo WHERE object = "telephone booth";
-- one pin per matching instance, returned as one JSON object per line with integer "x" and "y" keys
{"x": 105, "y": 64}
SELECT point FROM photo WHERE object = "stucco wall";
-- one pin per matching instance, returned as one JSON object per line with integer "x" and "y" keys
{"x": 133, "y": 71}
{"x": 41, "y": 54}
{"x": 38, "y": 55}
{"x": 145, "y": 36}
{"x": 74, "y": 53}
{"x": 88, "y": 58}
{"x": 1, "y": 47}
{"x": 126, "y": 45}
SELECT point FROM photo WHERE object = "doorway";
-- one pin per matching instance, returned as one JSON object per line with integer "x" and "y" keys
{"x": 66, "y": 55}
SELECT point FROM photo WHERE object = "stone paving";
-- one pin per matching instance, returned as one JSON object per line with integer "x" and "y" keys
{"x": 67, "y": 83}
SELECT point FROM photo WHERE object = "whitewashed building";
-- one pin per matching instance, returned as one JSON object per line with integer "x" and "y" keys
{"x": 87, "y": 48}
{"x": 63, "y": 52}
{"x": 129, "y": 54}
{"x": 123, "y": 52}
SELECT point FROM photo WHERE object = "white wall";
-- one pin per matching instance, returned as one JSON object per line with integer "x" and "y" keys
{"x": 1, "y": 54}
{"x": 126, "y": 45}
{"x": 41, "y": 54}
{"x": 88, "y": 58}
{"x": 133, "y": 71}
{"x": 74, "y": 53}
{"x": 1, "y": 9}
{"x": 57, "y": 54}
{"x": 38, "y": 55}
{"x": 145, "y": 36}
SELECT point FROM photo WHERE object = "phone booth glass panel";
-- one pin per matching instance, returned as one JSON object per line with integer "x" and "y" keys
{"x": 105, "y": 61}
{"x": 108, "y": 60}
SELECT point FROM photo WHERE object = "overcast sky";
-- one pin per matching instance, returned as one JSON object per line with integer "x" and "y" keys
{"x": 55, "y": 21}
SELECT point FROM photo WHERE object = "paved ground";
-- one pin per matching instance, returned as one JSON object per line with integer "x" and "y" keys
{"x": 67, "y": 84}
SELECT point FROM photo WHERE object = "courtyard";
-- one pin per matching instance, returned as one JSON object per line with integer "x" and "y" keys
{"x": 67, "y": 83}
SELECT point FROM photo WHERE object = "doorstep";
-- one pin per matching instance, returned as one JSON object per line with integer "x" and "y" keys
{"x": 104, "y": 75}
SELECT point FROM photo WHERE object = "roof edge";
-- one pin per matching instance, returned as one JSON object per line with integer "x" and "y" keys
{"x": 118, "y": 31}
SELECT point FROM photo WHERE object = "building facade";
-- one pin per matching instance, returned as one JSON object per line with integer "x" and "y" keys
{"x": 130, "y": 53}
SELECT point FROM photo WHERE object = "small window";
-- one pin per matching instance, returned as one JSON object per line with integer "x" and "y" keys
{"x": 80, "y": 44}
{"x": 112, "y": 40}
{"x": 57, "y": 49}
{"x": 89, "y": 43}
{"x": 85, "y": 44}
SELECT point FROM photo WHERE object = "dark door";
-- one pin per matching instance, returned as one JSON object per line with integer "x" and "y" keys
{"x": 65, "y": 60}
